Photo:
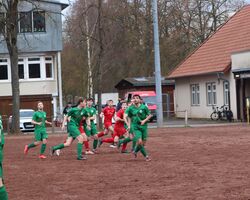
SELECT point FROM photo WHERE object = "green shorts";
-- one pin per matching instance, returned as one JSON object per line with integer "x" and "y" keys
{"x": 140, "y": 132}
{"x": 40, "y": 135}
{"x": 73, "y": 131}
{"x": 1, "y": 161}
{"x": 92, "y": 131}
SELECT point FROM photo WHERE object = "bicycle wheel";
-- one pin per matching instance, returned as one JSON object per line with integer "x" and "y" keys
{"x": 214, "y": 116}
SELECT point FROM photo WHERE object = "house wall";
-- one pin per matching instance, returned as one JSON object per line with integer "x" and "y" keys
{"x": 51, "y": 40}
{"x": 183, "y": 95}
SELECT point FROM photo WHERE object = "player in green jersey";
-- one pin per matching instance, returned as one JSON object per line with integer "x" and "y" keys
{"x": 39, "y": 120}
{"x": 74, "y": 117}
{"x": 92, "y": 132}
{"x": 3, "y": 193}
{"x": 136, "y": 118}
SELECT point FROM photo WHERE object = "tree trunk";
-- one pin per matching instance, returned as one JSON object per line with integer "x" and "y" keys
{"x": 11, "y": 41}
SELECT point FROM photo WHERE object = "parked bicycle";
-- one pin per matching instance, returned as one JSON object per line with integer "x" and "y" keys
{"x": 222, "y": 113}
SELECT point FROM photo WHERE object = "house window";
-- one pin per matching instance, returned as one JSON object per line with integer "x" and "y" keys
{"x": 195, "y": 94}
{"x": 211, "y": 94}
{"x": 25, "y": 22}
{"x": 21, "y": 71}
{"x": 34, "y": 67}
{"x": 3, "y": 69}
{"x": 39, "y": 21}
{"x": 226, "y": 92}
{"x": 48, "y": 67}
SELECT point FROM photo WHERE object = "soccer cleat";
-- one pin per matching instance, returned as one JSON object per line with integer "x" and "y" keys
{"x": 81, "y": 158}
{"x": 42, "y": 156}
{"x": 148, "y": 159}
{"x": 89, "y": 152}
{"x": 124, "y": 151}
{"x": 134, "y": 153}
{"x": 113, "y": 146}
{"x": 26, "y": 149}
{"x": 51, "y": 151}
{"x": 100, "y": 142}
{"x": 95, "y": 151}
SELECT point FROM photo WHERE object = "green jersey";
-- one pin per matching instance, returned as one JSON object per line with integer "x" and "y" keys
{"x": 39, "y": 116}
{"x": 137, "y": 114}
{"x": 76, "y": 114}
{"x": 1, "y": 131}
{"x": 91, "y": 111}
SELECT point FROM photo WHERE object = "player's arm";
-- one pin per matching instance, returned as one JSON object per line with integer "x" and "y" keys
{"x": 33, "y": 121}
{"x": 118, "y": 118}
{"x": 127, "y": 120}
{"x": 149, "y": 115}
{"x": 47, "y": 122}
{"x": 65, "y": 119}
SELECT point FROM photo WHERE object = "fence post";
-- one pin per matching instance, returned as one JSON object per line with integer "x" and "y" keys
{"x": 186, "y": 118}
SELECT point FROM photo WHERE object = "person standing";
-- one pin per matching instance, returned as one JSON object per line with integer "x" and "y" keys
{"x": 3, "y": 193}
{"x": 39, "y": 119}
{"x": 136, "y": 117}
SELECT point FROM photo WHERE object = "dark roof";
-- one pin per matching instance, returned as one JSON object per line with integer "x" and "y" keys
{"x": 142, "y": 81}
{"x": 214, "y": 55}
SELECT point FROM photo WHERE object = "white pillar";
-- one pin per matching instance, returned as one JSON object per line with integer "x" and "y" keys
{"x": 54, "y": 106}
{"x": 60, "y": 81}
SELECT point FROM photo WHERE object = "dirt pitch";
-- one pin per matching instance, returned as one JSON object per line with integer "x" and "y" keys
{"x": 187, "y": 163}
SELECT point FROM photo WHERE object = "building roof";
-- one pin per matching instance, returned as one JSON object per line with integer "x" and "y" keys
{"x": 214, "y": 55}
{"x": 63, "y": 5}
{"x": 142, "y": 81}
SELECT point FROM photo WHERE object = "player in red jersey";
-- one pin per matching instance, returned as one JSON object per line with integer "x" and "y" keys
{"x": 119, "y": 129}
{"x": 108, "y": 113}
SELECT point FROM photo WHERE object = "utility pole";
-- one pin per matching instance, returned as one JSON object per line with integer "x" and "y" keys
{"x": 157, "y": 66}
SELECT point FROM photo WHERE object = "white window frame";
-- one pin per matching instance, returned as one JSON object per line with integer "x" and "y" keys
{"x": 211, "y": 94}
{"x": 226, "y": 92}
{"x": 35, "y": 62}
{"x": 195, "y": 94}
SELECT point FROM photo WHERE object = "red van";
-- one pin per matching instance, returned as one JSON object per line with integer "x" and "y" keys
{"x": 148, "y": 97}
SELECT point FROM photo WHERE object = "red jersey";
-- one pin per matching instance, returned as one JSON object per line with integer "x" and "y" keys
{"x": 120, "y": 124}
{"x": 108, "y": 114}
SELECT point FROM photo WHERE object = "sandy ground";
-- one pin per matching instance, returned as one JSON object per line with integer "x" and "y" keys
{"x": 187, "y": 163}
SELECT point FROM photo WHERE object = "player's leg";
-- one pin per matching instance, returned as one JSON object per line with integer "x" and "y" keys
{"x": 95, "y": 137}
{"x": 86, "y": 143}
{"x": 3, "y": 193}
{"x": 144, "y": 139}
{"x": 80, "y": 139}
{"x": 38, "y": 139}
{"x": 68, "y": 142}
{"x": 44, "y": 136}
{"x": 137, "y": 138}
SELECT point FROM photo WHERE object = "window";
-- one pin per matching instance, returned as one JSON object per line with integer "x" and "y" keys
{"x": 226, "y": 92}
{"x": 195, "y": 94}
{"x": 48, "y": 69}
{"x": 34, "y": 70}
{"x": 21, "y": 71}
{"x": 25, "y": 22}
{"x": 39, "y": 21}
{"x": 4, "y": 72}
{"x": 211, "y": 94}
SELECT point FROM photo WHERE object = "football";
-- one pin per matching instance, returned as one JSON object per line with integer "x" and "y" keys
{"x": 57, "y": 152}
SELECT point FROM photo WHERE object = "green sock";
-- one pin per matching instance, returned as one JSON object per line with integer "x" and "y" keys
{"x": 43, "y": 147}
{"x": 79, "y": 150}
{"x": 3, "y": 193}
{"x": 95, "y": 143}
{"x": 31, "y": 145}
{"x": 59, "y": 146}
{"x": 143, "y": 151}
{"x": 133, "y": 144}
{"x": 126, "y": 140}
{"x": 137, "y": 148}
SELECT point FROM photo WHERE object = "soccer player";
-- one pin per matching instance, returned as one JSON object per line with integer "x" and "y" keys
{"x": 136, "y": 117}
{"x": 119, "y": 129}
{"x": 92, "y": 132}
{"x": 39, "y": 120}
{"x": 74, "y": 116}
{"x": 108, "y": 113}
{"x": 3, "y": 193}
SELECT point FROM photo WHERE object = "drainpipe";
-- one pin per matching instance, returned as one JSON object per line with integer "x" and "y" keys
{"x": 60, "y": 81}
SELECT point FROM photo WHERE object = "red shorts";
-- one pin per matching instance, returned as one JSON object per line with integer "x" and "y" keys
{"x": 107, "y": 124}
{"x": 119, "y": 131}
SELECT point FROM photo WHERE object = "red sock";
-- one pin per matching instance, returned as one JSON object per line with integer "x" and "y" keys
{"x": 124, "y": 146}
{"x": 86, "y": 144}
{"x": 100, "y": 134}
{"x": 108, "y": 140}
